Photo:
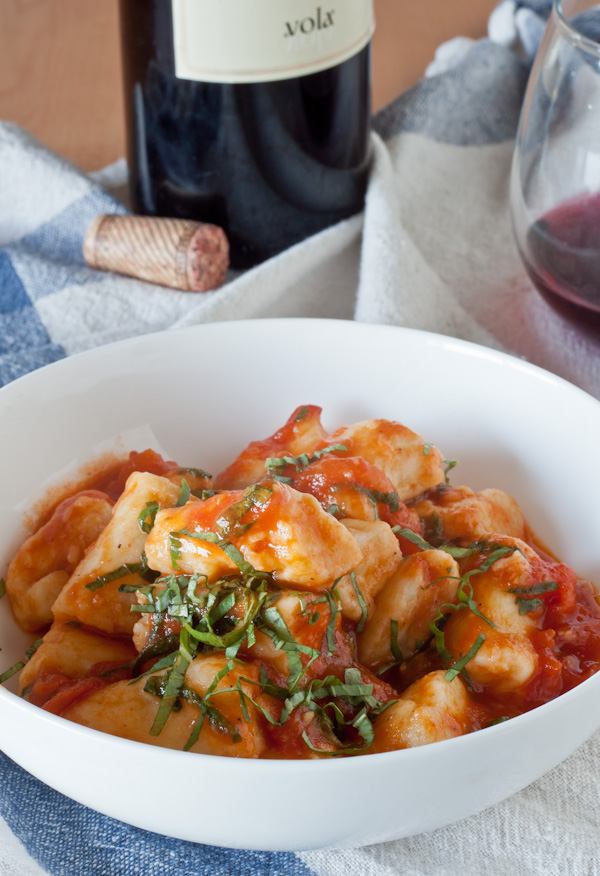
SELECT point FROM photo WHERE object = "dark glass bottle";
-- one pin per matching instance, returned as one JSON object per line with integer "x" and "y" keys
{"x": 272, "y": 162}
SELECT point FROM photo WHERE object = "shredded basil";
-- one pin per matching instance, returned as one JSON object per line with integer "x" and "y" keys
{"x": 223, "y": 615}
{"x": 465, "y": 597}
{"x": 413, "y": 537}
{"x": 365, "y": 730}
{"x": 301, "y": 462}
{"x": 527, "y": 605}
{"x": 163, "y": 663}
{"x": 209, "y": 620}
{"x": 195, "y": 473}
{"x": 147, "y": 516}
{"x": 244, "y": 695}
{"x": 273, "y": 625}
{"x": 231, "y": 641}
{"x": 499, "y": 720}
{"x": 12, "y": 671}
{"x": 218, "y": 721}
{"x": 434, "y": 527}
{"x": 229, "y": 549}
{"x": 489, "y": 561}
{"x": 18, "y": 666}
{"x": 465, "y": 601}
{"x": 332, "y": 598}
{"x": 448, "y": 464}
{"x": 535, "y": 589}
{"x": 204, "y": 494}
{"x": 378, "y": 497}
{"x": 364, "y": 609}
{"x": 123, "y": 571}
{"x": 163, "y": 687}
{"x": 321, "y": 696}
{"x": 184, "y": 494}
{"x": 459, "y": 553}
{"x": 2, "y": 587}
{"x": 229, "y": 524}
{"x": 394, "y": 647}
{"x": 174, "y": 683}
{"x": 157, "y": 648}
{"x": 460, "y": 665}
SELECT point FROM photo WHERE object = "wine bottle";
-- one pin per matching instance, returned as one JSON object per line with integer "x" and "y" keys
{"x": 250, "y": 114}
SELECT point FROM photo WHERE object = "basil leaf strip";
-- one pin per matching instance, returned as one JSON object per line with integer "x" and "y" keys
{"x": 194, "y": 472}
{"x": 394, "y": 647}
{"x": 147, "y": 516}
{"x": 499, "y": 720}
{"x": 413, "y": 537}
{"x": 527, "y": 605}
{"x": 231, "y": 550}
{"x": 378, "y": 497}
{"x": 184, "y": 494}
{"x": 535, "y": 589}
{"x": 364, "y": 610}
{"x": 229, "y": 524}
{"x": 166, "y": 645}
{"x": 18, "y": 666}
{"x": 172, "y": 688}
{"x": 301, "y": 462}
{"x": 122, "y": 572}
{"x": 217, "y": 720}
{"x": 332, "y": 598}
{"x": 459, "y": 666}
{"x": 465, "y": 600}
{"x": 449, "y": 465}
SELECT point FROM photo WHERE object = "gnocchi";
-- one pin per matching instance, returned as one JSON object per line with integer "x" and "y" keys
{"x": 327, "y": 594}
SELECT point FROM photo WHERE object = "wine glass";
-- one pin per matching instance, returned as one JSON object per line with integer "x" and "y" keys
{"x": 555, "y": 182}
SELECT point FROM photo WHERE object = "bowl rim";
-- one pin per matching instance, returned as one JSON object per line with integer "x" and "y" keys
{"x": 442, "y": 342}
{"x": 436, "y": 339}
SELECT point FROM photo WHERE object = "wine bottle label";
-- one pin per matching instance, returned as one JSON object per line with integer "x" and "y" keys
{"x": 265, "y": 40}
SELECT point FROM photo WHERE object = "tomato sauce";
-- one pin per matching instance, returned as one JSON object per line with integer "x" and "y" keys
{"x": 112, "y": 482}
{"x": 55, "y": 693}
{"x": 563, "y": 613}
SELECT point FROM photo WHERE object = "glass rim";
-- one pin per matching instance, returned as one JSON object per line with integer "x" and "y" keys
{"x": 573, "y": 35}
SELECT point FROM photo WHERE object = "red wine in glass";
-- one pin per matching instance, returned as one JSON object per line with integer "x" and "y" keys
{"x": 563, "y": 257}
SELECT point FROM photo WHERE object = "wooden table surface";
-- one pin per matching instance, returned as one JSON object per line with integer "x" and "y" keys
{"x": 60, "y": 73}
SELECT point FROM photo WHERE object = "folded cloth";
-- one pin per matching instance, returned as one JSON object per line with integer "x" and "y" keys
{"x": 433, "y": 250}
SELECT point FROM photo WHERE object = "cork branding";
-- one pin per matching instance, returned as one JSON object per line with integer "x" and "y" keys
{"x": 321, "y": 20}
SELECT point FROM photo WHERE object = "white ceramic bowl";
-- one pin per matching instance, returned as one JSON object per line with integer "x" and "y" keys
{"x": 202, "y": 393}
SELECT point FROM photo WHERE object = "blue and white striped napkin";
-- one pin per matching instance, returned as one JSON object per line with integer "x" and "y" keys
{"x": 433, "y": 250}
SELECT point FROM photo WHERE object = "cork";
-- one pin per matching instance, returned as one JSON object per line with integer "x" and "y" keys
{"x": 178, "y": 253}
